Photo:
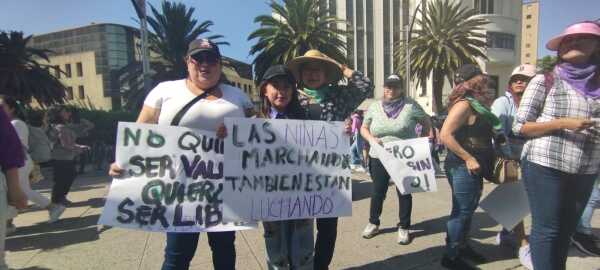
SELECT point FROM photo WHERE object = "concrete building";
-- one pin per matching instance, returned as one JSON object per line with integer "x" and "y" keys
{"x": 101, "y": 62}
{"x": 87, "y": 55}
{"x": 374, "y": 26}
{"x": 529, "y": 32}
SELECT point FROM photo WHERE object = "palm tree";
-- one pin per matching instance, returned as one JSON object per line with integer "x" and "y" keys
{"x": 22, "y": 76}
{"x": 173, "y": 28}
{"x": 547, "y": 63}
{"x": 294, "y": 28}
{"x": 446, "y": 37}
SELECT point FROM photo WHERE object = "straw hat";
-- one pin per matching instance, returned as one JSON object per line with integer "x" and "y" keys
{"x": 587, "y": 27}
{"x": 333, "y": 73}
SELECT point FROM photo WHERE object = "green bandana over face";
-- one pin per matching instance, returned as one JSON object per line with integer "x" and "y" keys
{"x": 317, "y": 94}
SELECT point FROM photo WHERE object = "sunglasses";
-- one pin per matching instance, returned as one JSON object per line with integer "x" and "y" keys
{"x": 207, "y": 58}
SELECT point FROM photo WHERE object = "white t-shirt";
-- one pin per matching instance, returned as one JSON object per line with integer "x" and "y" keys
{"x": 22, "y": 131}
{"x": 170, "y": 96}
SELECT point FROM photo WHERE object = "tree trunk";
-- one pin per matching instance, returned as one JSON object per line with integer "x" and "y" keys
{"x": 438, "y": 85}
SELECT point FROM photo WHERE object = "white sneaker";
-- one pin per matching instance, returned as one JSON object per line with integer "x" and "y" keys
{"x": 55, "y": 212}
{"x": 525, "y": 257}
{"x": 403, "y": 236}
{"x": 370, "y": 231}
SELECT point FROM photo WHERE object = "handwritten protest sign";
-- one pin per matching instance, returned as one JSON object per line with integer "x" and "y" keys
{"x": 173, "y": 181}
{"x": 286, "y": 169}
{"x": 409, "y": 164}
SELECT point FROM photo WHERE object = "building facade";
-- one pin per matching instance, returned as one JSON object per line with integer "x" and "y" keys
{"x": 375, "y": 26}
{"x": 99, "y": 63}
{"x": 86, "y": 56}
{"x": 529, "y": 32}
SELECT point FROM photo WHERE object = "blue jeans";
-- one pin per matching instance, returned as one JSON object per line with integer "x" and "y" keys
{"x": 289, "y": 244}
{"x": 556, "y": 200}
{"x": 356, "y": 149}
{"x": 181, "y": 248}
{"x": 585, "y": 223}
{"x": 466, "y": 192}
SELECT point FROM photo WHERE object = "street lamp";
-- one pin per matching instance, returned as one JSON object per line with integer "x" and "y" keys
{"x": 140, "y": 9}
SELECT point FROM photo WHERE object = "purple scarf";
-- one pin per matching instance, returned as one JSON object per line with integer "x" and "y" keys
{"x": 582, "y": 77}
{"x": 393, "y": 108}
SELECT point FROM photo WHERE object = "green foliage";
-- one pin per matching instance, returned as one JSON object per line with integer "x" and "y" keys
{"x": 106, "y": 123}
{"x": 446, "y": 37}
{"x": 22, "y": 76}
{"x": 173, "y": 28}
{"x": 295, "y": 27}
{"x": 547, "y": 63}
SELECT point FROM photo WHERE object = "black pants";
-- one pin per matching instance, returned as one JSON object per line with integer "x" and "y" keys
{"x": 325, "y": 244}
{"x": 64, "y": 175}
{"x": 381, "y": 180}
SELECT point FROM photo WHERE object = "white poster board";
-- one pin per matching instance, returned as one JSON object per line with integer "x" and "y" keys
{"x": 286, "y": 169}
{"x": 173, "y": 181}
{"x": 409, "y": 164}
{"x": 507, "y": 204}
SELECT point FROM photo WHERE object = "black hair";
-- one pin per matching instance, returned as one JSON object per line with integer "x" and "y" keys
{"x": 36, "y": 118}
{"x": 12, "y": 103}
{"x": 54, "y": 114}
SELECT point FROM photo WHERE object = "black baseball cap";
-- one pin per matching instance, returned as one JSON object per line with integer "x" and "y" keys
{"x": 393, "y": 81}
{"x": 279, "y": 70}
{"x": 466, "y": 72}
{"x": 203, "y": 45}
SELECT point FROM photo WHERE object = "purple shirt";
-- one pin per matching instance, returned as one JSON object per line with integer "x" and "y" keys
{"x": 11, "y": 155}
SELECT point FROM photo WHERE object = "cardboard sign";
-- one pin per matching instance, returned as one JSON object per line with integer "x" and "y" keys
{"x": 173, "y": 181}
{"x": 286, "y": 169}
{"x": 507, "y": 204}
{"x": 409, "y": 164}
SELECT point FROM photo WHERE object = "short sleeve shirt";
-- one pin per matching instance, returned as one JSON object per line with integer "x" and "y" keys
{"x": 169, "y": 97}
{"x": 393, "y": 129}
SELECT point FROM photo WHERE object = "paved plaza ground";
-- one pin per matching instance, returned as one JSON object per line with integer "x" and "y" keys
{"x": 77, "y": 242}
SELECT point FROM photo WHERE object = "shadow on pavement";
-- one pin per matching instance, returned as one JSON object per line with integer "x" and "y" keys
{"x": 481, "y": 221}
{"x": 361, "y": 189}
{"x": 46, "y": 236}
{"x": 36, "y": 268}
{"x": 430, "y": 258}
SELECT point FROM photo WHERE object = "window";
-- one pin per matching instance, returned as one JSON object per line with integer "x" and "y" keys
{"x": 494, "y": 84}
{"x": 528, "y": 16}
{"x": 527, "y": 55}
{"x": 500, "y": 40}
{"x": 484, "y": 6}
{"x": 528, "y": 26}
{"x": 81, "y": 92}
{"x": 69, "y": 93}
{"x": 79, "y": 69}
{"x": 57, "y": 72}
{"x": 527, "y": 45}
{"x": 68, "y": 70}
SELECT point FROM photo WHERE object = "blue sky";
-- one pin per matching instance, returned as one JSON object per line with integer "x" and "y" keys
{"x": 232, "y": 18}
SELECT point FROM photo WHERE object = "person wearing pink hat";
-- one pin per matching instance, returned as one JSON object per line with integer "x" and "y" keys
{"x": 559, "y": 113}
{"x": 505, "y": 108}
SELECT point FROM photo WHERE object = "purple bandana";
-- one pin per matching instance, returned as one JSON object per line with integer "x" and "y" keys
{"x": 582, "y": 77}
{"x": 393, "y": 108}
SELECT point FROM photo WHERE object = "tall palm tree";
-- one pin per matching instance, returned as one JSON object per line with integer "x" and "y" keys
{"x": 173, "y": 28}
{"x": 295, "y": 27}
{"x": 22, "y": 76}
{"x": 446, "y": 37}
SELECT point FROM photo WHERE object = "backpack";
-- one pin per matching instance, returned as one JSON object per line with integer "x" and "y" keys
{"x": 40, "y": 146}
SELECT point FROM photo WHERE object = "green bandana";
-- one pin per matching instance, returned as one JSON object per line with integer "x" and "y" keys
{"x": 317, "y": 94}
{"x": 485, "y": 113}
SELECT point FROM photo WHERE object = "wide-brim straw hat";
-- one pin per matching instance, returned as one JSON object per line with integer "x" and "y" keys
{"x": 333, "y": 73}
{"x": 591, "y": 28}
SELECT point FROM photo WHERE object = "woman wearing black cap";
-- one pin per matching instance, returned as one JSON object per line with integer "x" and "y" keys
{"x": 163, "y": 103}
{"x": 467, "y": 133}
{"x": 289, "y": 243}
{"x": 391, "y": 119}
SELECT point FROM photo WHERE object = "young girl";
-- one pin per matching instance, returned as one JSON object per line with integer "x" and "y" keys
{"x": 289, "y": 243}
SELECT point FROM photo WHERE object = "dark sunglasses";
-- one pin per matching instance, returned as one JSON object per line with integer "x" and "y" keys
{"x": 208, "y": 58}
{"x": 518, "y": 78}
